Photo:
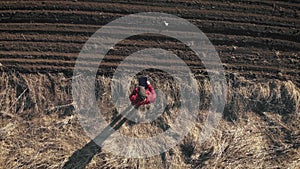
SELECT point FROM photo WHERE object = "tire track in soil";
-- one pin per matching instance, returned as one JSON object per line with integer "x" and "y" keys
{"x": 267, "y": 8}
{"x": 71, "y": 45}
{"x": 100, "y": 18}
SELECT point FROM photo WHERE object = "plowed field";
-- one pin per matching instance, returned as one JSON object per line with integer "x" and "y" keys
{"x": 253, "y": 38}
{"x": 258, "y": 42}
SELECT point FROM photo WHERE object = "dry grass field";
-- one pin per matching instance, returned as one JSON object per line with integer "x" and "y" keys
{"x": 257, "y": 42}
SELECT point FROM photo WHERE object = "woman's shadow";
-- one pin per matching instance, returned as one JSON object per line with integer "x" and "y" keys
{"x": 81, "y": 158}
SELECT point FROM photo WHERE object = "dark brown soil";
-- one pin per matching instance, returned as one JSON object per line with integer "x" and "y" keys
{"x": 257, "y": 41}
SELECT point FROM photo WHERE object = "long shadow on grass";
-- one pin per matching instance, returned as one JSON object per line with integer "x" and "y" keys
{"x": 81, "y": 158}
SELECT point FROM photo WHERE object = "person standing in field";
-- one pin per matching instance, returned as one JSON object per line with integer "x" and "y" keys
{"x": 142, "y": 95}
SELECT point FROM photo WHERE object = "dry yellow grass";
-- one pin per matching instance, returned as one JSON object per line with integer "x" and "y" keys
{"x": 39, "y": 128}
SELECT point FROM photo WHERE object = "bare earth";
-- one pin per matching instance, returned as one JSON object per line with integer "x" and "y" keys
{"x": 258, "y": 44}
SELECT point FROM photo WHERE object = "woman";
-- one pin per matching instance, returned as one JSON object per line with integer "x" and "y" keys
{"x": 142, "y": 95}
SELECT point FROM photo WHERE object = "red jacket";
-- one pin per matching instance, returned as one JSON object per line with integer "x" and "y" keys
{"x": 151, "y": 96}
